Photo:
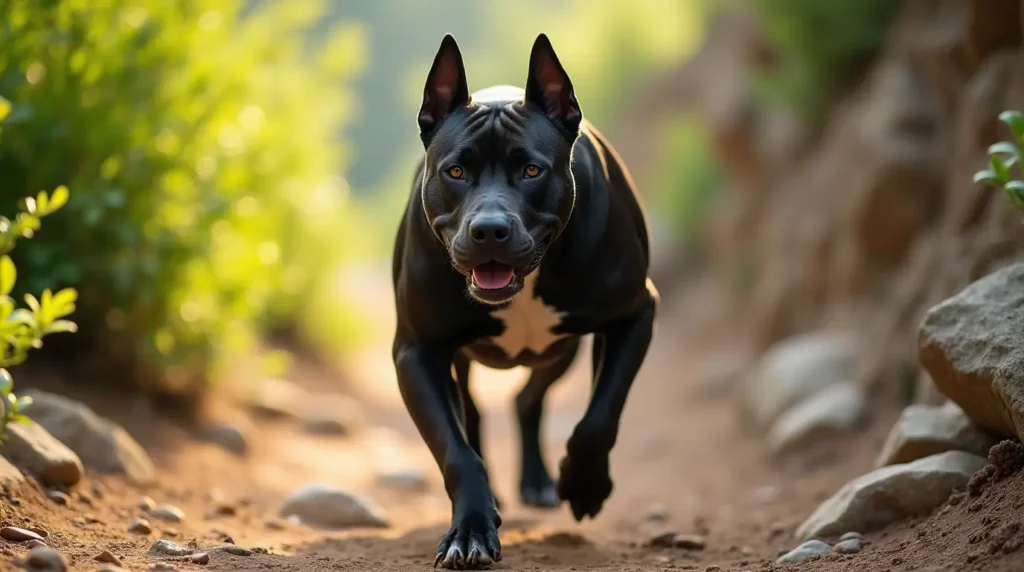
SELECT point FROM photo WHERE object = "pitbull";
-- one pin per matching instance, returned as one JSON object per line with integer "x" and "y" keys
{"x": 523, "y": 233}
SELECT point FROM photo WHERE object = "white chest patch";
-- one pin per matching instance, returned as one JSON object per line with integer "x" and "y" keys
{"x": 528, "y": 322}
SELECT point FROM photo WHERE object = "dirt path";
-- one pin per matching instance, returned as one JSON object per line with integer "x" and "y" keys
{"x": 678, "y": 454}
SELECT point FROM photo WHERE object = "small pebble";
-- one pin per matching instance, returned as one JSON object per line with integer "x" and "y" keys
{"x": 107, "y": 557}
{"x": 850, "y": 535}
{"x": 46, "y": 558}
{"x": 168, "y": 513}
{"x": 236, "y": 550}
{"x": 35, "y": 543}
{"x": 162, "y": 567}
{"x": 809, "y": 550}
{"x": 713, "y": 568}
{"x": 110, "y": 568}
{"x": 146, "y": 503}
{"x": 225, "y": 509}
{"x": 275, "y": 524}
{"x": 15, "y": 534}
{"x": 58, "y": 497}
{"x": 848, "y": 546}
{"x": 140, "y": 526}
{"x": 40, "y": 531}
{"x": 168, "y": 548}
{"x": 14, "y": 501}
{"x": 201, "y": 558}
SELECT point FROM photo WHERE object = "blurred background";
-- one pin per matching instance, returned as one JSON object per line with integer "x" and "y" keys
{"x": 232, "y": 164}
{"x": 237, "y": 170}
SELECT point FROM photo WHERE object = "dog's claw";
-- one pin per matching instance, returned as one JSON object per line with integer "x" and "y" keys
{"x": 471, "y": 543}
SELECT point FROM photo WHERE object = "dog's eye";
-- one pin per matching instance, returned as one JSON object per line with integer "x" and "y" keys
{"x": 532, "y": 171}
{"x": 455, "y": 172}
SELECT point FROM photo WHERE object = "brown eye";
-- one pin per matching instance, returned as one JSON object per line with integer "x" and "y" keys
{"x": 455, "y": 172}
{"x": 532, "y": 171}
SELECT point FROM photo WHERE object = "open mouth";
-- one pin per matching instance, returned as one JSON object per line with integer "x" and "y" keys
{"x": 493, "y": 275}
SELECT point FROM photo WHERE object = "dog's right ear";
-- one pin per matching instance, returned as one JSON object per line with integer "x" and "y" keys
{"x": 446, "y": 88}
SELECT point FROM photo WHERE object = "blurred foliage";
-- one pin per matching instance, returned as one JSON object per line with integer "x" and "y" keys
{"x": 202, "y": 139}
{"x": 686, "y": 178}
{"x": 1004, "y": 161}
{"x": 820, "y": 44}
{"x": 23, "y": 329}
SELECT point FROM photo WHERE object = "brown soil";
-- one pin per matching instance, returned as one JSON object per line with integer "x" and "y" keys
{"x": 687, "y": 454}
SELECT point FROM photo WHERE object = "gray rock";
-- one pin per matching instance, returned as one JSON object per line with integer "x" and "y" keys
{"x": 31, "y": 447}
{"x": 140, "y": 526}
{"x": 162, "y": 567}
{"x": 809, "y": 550}
{"x": 320, "y": 505}
{"x": 168, "y": 513}
{"x": 924, "y": 430}
{"x": 831, "y": 411}
{"x": 15, "y": 534}
{"x": 793, "y": 370}
{"x": 235, "y": 550}
{"x": 227, "y": 436}
{"x": 971, "y": 346}
{"x": 848, "y": 546}
{"x": 102, "y": 445}
{"x": 657, "y": 512}
{"x": 201, "y": 558}
{"x": 58, "y": 497}
{"x": 35, "y": 544}
{"x": 45, "y": 559}
{"x": 412, "y": 481}
{"x": 851, "y": 535}
{"x": 891, "y": 493}
{"x": 167, "y": 548}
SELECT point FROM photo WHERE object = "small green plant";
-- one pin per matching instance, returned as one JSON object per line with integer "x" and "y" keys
{"x": 23, "y": 329}
{"x": 1004, "y": 161}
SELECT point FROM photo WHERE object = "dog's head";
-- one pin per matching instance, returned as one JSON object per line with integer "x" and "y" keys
{"x": 497, "y": 181}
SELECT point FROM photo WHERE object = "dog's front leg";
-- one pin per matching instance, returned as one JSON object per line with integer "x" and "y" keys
{"x": 585, "y": 481}
{"x": 429, "y": 392}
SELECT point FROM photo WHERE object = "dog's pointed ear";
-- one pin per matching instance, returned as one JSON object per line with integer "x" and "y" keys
{"x": 549, "y": 88}
{"x": 446, "y": 88}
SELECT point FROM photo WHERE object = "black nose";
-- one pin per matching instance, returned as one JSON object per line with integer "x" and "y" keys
{"x": 490, "y": 228}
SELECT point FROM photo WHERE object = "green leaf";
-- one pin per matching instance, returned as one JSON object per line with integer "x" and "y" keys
{"x": 24, "y": 402}
{"x": 1003, "y": 147}
{"x": 12, "y": 401}
{"x": 6, "y": 381}
{"x": 58, "y": 199}
{"x": 61, "y": 326}
{"x": 1015, "y": 191}
{"x": 28, "y": 204}
{"x": 999, "y": 168}
{"x": 1015, "y": 120}
{"x": 8, "y": 275}
{"x": 986, "y": 176}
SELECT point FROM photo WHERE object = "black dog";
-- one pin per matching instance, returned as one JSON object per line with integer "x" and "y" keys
{"x": 523, "y": 233}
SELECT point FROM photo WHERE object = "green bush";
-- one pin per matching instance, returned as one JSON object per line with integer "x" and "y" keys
{"x": 203, "y": 143}
{"x": 23, "y": 329}
{"x": 820, "y": 44}
{"x": 1004, "y": 161}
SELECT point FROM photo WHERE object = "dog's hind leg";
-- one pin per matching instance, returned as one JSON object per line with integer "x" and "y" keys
{"x": 535, "y": 486}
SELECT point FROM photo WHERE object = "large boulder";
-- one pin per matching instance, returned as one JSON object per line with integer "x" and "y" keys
{"x": 102, "y": 445}
{"x": 38, "y": 453}
{"x": 924, "y": 430}
{"x": 973, "y": 347}
{"x": 795, "y": 369}
{"x": 891, "y": 493}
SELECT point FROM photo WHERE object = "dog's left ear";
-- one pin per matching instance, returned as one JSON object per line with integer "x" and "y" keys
{"x": 549, "y": 88}
{"x": 446, "y": 88}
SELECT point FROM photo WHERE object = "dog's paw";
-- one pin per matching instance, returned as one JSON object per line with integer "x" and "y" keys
{"x": 472, "y": 543}
{"x": 539, "y": 492}
{"x": 584, "y": 482}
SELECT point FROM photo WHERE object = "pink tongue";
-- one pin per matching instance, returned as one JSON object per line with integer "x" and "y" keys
{"x": 492, "y": 276}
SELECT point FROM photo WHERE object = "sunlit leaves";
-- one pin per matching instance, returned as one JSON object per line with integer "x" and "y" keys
{"x": 1004, "y": 157}
{"x": 23, "y": 329}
